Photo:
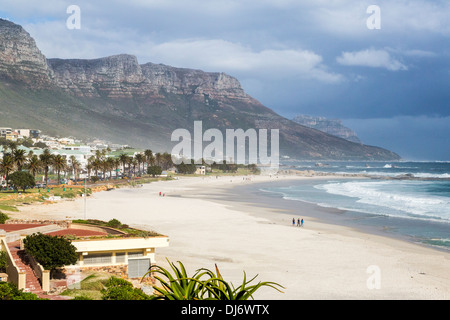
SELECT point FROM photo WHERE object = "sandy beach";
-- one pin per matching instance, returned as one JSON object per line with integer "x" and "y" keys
{"x": 317, "y": 261}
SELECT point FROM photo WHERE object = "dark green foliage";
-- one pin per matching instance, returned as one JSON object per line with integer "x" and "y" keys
{"x": 186, "y": 168}
{"x": 114, "y": 223}
{"x": 40, "y": 145}
{"x": 3, "y": 262}
{"x": 21, "y": 180}
{"x": 225, "y": 167}
{"x": 120, "y": 289}
{"x": 8, "y": 291}
{"x": 203, "y": 285}
{"x": 154, "y": 170}
{"x": 3, "y": 218}
{"x": 51, "y": 252}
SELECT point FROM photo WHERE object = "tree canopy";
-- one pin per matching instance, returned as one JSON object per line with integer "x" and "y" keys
{"x": 50, "y": 251}
{"x": 21, "y": 180}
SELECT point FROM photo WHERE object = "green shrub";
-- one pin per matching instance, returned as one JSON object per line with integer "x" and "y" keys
{"x": 3, "y": 262}
{"x": 94, "y": 179}
{"x": 3, "y": 218}
{"x": 51, "y": 252}
{"x": 9, "y": 291}
{"x": 82, "y": 297}
{"x": 114, "y": 223}
{"x": 120, "y": 289}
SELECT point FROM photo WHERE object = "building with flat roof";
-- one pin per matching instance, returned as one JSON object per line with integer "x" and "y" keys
{"x": 99, "y": 248}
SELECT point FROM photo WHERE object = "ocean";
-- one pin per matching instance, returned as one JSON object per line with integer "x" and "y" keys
{"x": 417, "y": 208}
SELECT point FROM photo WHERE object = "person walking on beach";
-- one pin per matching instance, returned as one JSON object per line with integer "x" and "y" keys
{"x": 298, "y": 222}
{"x": 301, "y": 223}
{"x": 293, "y": 221}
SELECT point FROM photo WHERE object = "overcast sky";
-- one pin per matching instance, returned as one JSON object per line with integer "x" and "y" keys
{"x": 386, "y": 78}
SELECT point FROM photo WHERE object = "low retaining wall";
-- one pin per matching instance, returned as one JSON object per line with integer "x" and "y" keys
{"x": 14, "y": 274}
{"x": 60, "y": 223}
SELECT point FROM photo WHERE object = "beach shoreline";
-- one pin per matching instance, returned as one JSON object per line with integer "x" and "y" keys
{"x": 318, "y": 261}
{"x": 384, "y": 225}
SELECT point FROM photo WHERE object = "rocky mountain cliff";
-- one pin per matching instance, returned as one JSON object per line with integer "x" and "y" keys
{"x": 330, "y": 126}
{"x": 121, "y": 76}
{"x": 20, "y": 59}
{"x": 117, "y": 99}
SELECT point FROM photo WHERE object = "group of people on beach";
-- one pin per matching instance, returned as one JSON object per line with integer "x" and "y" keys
{"x": 299, "y": 222}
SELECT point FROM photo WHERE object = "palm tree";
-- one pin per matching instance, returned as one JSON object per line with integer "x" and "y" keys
{"x": 7, "y": 166}
{"x": 149, "y": 158}
{"x": 34, "y": 165}
{"x": 104, "y": 164}
{"x": 96, "y": 165}
{"x": 129, "y": 162}
{"x": 158, "y": 158}
{"x": 111, "y": 164}
{"x": 124, "y": 160}
{"x": 75, "y": 166}
{"x": 134, "y": 163}
{"x": 140, "y": 158}
{"x": 46, "y": 159}
{"x": 89, "y": 168}
{"x": 19, "y": 158}
{"x": 116, "y": 165}
{"x": 166, "y": 160}
{"x": 59, "y": 164}
{"x": 12, "y": 145}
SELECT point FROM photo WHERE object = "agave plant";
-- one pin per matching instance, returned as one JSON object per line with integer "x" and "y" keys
{"x": 180, "y": 286}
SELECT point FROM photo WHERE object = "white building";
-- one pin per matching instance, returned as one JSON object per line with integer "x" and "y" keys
{"x": 81, "y": 156}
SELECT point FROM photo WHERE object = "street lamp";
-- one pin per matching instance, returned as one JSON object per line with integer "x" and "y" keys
{"x": 85, "y": 196}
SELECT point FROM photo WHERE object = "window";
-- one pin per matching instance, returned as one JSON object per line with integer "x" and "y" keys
{"x": 135, "y": 254}
{"x": 98, "y": 258}
{"x": 120, "y": 257}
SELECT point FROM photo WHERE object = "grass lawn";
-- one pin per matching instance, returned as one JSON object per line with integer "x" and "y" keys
{"x": 9, "y": 200}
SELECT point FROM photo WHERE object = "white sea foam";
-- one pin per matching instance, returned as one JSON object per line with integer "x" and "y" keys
{"x": 396, "y": 197}
{"x": 398, "y": 173}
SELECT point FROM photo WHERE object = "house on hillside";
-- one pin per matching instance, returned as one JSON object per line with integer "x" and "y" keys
{"x": 5, "y": 131}
{"x": 13, "y": 136}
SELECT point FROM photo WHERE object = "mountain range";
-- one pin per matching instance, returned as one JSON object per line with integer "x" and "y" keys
{"x": 334, "y": 127}
{"x": 117, "y": 99}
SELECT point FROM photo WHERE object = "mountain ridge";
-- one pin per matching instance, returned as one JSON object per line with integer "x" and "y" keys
{"x": 115, "y": 98}
{"x": 334, "y": 127}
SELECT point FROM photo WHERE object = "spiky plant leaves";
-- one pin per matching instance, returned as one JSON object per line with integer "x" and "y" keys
{"x": 180, "y": 286}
